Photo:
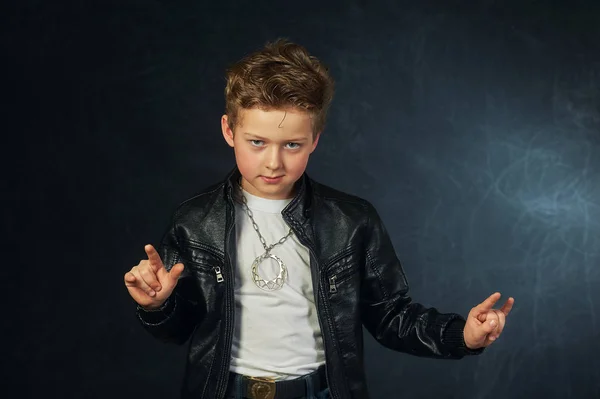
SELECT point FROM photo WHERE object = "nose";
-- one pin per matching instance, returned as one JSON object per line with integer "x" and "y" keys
{"x": 274, "y": 161}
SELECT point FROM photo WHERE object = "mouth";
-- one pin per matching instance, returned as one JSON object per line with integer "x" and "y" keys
{"x": 273, "y": 179}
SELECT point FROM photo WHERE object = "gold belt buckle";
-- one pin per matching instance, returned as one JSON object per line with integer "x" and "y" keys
{"x": 261, "y": 388}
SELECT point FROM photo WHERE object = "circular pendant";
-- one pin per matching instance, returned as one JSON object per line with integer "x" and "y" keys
{"x": 269, "y": 285}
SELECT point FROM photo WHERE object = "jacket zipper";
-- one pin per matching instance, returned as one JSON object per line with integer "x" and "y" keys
{"x": 219, "y": 275}
{"x": 337, "y": 277}
{"x": 339, "y": 274}
{"x": 332, "y": 387}
{"x": 332, "y": 286}
{"x": 313, "y": 258}
{"x": 222, "y": 377}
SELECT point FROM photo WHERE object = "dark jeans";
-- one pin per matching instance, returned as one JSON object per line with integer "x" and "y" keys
{"x": 324, "y": 394}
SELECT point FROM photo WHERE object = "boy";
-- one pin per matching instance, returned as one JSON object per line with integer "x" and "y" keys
{"x": 272, "y": 275}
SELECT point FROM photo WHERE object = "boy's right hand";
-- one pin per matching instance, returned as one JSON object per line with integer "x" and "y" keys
{"x": 149, "y": 283}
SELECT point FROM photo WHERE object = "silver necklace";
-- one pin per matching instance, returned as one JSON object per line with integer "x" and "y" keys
{"x": 277, "y": 282}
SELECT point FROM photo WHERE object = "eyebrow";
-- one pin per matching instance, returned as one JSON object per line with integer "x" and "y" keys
{"x": 252, "y": 135}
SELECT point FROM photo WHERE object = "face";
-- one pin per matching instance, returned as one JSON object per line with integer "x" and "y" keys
{"x": 271, "y": 149}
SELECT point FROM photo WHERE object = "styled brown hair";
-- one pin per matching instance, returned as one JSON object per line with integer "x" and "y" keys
{"x": 280, "y": 75}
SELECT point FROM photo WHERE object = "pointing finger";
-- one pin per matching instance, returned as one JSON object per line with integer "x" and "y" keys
{"x": 489, "y": 303}
{"x": 153, "y": 257}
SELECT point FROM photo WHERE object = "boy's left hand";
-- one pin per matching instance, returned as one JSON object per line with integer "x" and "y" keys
{"x": 485, "y": 324}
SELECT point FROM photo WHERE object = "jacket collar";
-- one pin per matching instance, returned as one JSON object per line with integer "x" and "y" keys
{"x": 298, "y": 210}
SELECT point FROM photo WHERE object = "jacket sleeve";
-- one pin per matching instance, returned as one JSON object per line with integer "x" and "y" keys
{"x": 178, "y": 316}
{"x": 388, "y": 312}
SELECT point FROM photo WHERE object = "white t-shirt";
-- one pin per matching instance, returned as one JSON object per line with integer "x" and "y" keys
{"x": 276, "y": 333}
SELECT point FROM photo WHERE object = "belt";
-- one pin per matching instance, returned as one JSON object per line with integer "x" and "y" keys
{"x": 266, "y": 388}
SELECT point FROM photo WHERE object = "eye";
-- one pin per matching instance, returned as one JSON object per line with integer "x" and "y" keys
{"x": 293, "y": 146}
{"x": 256, "y": 143}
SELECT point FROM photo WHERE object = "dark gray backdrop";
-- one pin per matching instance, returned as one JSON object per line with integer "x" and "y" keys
{"x": 472, "y": 126}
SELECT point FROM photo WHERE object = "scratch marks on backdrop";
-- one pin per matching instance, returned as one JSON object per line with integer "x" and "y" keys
{"x": 546, "y": 181}
{"x": 546, "y": 187}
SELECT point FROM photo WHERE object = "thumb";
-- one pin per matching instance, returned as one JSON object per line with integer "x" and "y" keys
{"x": 176, "y": 271}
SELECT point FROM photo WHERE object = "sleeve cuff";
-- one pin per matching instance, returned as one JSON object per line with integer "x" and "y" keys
{"x": 158, "y": 315}
{"x": 453, "y": 337}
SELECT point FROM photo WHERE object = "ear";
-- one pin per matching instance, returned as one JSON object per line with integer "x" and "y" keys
{"x": 227, "y": 132}
{"x": 315, "y": 142}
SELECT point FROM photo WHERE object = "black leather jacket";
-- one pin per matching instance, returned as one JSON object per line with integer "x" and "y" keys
{"x": 358, "y": 277}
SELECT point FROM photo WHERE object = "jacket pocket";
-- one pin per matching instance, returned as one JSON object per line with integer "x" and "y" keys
{"x": 205, "y": 263}
{"x": 206, "y": 277}
{"x": 207, "y": 272}
{"x": 341, "y": 270}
